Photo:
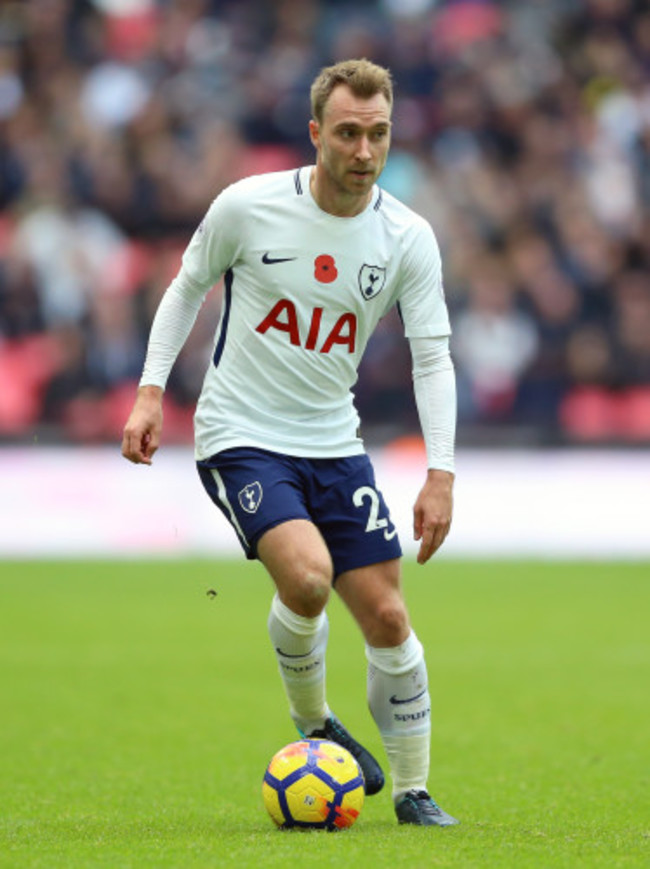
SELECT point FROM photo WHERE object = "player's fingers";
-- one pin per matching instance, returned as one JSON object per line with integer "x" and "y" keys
{"x": 127, "y": 449}
{"x": 150, "y": 443}
{"x": 439, "y": 537}
{"x": 426, "y": 545}
{"x": 144, "y": 457}
{"x": 133, "y": 448}
{"x": 432, "y": 539}
{"x": 145, "y": 447}
{"x": 418, "y": 522}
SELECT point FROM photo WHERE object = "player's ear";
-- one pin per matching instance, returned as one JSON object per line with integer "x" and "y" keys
{"x": 314, "y": 133}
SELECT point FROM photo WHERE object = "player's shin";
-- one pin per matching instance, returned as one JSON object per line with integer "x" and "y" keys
{"x": 398, "y": 698}
{"x": 300, "y": 644}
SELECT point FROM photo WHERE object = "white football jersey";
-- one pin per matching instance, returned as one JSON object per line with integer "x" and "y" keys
{"x": 304, "y": 291}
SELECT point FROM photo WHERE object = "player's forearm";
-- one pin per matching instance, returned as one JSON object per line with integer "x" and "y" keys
{"x": 172, "y": 324}
{"x": 434, "y": 383}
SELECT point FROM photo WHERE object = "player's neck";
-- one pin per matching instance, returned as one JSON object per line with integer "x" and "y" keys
{"x": 335, "y": 201}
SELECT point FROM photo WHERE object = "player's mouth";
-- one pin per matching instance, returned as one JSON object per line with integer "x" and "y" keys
{"x": 362, "y": 174}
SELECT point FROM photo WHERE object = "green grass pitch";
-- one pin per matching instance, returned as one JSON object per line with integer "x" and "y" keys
{"x": 138, "y": 712}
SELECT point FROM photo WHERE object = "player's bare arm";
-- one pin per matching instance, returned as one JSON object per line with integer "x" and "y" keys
{"x": 432, "y": 513}
{"x": 143, "y": 428}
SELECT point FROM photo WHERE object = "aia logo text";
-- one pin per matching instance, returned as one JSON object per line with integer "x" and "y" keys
{"x": 284, "y": 318}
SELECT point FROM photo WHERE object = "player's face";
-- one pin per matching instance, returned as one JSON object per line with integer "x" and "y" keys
{"x": 352, "y": 143}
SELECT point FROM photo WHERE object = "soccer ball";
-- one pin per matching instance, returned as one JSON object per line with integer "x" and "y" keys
{"x": 315, "y": 784}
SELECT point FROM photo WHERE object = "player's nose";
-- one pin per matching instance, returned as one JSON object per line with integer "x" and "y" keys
{"x": 364, "y": 152}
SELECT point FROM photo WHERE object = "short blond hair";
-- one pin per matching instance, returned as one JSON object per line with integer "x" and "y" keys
{"x": 364, "y": 78}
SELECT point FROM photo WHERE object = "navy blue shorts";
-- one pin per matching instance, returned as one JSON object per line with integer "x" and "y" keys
{"x": 257, "y": 489}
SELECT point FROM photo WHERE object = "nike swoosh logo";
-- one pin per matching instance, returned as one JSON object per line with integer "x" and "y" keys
{"x": 271, "y": 260}
{"x": 285, "y": 655}
{"x": 396, "y": 701}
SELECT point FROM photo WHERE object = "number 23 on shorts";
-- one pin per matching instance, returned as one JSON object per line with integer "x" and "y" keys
{"x": 367, "y": 493}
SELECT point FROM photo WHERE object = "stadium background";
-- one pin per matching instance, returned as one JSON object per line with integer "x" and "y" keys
{"x": 522, "y": 132}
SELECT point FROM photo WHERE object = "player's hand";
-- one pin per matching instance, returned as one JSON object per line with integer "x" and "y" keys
{"x": 432, "y": 513}
{"x": 143, "y": 428}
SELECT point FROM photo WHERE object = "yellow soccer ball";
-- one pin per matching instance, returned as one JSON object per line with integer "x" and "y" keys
{"x": 313, "y": 784}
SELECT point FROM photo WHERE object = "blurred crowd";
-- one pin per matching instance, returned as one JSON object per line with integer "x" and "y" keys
{"x": 521, "y": 131}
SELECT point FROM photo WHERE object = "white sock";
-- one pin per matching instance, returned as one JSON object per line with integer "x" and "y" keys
{"x": 300, "y": 644}
{"x": 398, "y": 697}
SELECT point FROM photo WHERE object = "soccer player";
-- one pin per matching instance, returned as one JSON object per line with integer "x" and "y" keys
{"x": 312, "y": 259}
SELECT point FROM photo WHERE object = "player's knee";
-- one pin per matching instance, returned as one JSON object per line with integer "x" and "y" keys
{"x": 310, "y": 588}
{"x": 390, "y": 625}
{"x": 315, "y": 586}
